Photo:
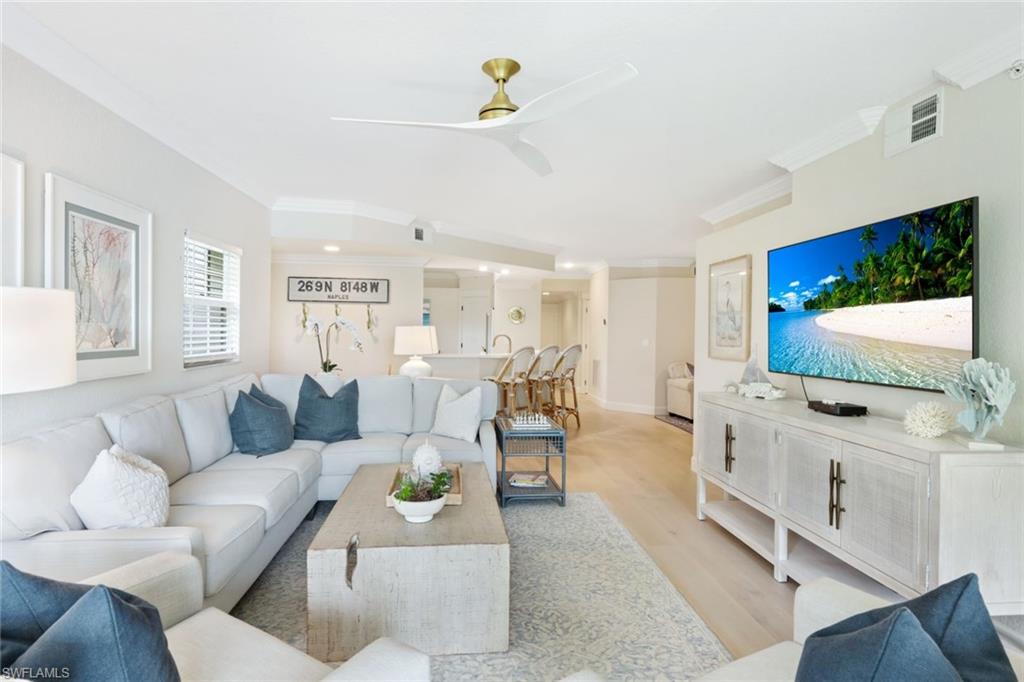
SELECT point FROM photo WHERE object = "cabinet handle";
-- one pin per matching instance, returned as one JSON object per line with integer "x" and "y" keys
{"x": 839, "y": 491}
{"x": 729, "y": 438}
{"x": 831, "y": 492}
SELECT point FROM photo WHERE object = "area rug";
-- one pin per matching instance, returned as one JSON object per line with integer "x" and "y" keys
{"x": 678, "y": 422}
{"x": 584, "y": 595}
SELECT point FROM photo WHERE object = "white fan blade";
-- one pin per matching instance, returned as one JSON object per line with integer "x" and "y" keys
{"x": 530, "y": 155}
{"x": 572, "y": 94}
{"x": 466, "y": 127}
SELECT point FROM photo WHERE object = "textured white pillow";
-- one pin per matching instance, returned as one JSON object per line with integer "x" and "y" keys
{"x": 458, "y": 416}
{"x": 122, "y": 490}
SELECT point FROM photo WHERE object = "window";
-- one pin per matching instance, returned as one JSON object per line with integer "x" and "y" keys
{"x": 210, "y": 327}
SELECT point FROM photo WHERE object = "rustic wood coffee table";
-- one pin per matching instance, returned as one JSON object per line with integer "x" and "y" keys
{"x": 442, "y": 586}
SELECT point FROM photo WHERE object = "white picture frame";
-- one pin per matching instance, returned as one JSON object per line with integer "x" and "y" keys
{"x": 12, "y": 221}
{"x": 729, "y": 309}
{"x": 101, "y": 248}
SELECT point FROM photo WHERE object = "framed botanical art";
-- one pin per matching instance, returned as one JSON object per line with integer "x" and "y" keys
{"x": 12, "y": 222}
{"x": 100, "y": 248}
{"x": 729, "y": 309}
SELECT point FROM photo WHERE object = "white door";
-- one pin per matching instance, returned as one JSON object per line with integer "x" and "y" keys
{"x": 806, "y": 462}
{"x": 473, "y": 311}
{"x": 714, "y": 430}
{"x": 884, "y": 512}
{"x": 583, "y": 369}
{"x": 752, "y": 456}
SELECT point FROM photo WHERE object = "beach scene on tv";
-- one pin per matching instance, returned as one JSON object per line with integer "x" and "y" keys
{"x": 886, "y": 303}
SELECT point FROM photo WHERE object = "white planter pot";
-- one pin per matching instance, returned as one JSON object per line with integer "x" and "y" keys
{"x": 419, "y": 512}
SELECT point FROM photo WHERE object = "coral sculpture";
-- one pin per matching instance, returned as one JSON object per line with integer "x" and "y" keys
{"x": 986, "y": 390}
{"x": 928, "y": 420}
{"x": 426, "y": 461}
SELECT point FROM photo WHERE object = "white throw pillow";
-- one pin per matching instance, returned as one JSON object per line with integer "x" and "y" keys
{"x": 122, "y": 490}
{"x": 458, "y": 416}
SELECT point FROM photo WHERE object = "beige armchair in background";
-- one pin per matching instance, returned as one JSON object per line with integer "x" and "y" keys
{"x": 680, "y": 389}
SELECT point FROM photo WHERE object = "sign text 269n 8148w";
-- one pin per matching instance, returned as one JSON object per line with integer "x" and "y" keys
{"x": 338, "y": 290}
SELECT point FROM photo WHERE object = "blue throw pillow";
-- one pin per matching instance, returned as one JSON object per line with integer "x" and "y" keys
{"x": 893, "y": 649}
{"x": 80, "y": 631}
{"x": 955, "y": 617}
{"x": 327, "y": 418}
{"x": 260, "y": 425}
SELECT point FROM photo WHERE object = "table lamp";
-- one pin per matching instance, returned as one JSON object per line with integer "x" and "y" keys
{"x": 415, "y": 342}
{"x": 37, "y": 339}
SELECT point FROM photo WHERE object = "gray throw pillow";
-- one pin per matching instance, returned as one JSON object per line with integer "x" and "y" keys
{"x": 260, "y": 425}
{"x": 80, "y": 632}
{"x": 955, "y": 617}
{"x": 324, "y": 417}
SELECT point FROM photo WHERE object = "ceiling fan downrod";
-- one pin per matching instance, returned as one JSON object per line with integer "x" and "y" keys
{"x": 500, "y": 70}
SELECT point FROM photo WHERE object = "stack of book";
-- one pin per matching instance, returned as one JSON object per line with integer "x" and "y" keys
{"x": 520, "y": 480}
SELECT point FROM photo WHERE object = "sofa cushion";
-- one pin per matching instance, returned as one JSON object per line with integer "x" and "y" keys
{"x": 273, "y": 490}
{"x": 285, "y": 387}
{"x": 203, "y": 418}
{"x": 39, "y": 473}
{"x": 149, "y": 428}
{"x": 212, "y": 645}
{"x": 427, "y": 390}
{"x": 303, "y": 444}
{"x": 774, "y": 664}
{"x": 344, "y": 457}
{"x": 385, "y": 404}
{"x": 122, "y": 490}
{"x": 452, "y": 449}
{"x": 231, "y": 387}
{"x": 458, "y": 416}
{"x": 889, "y": 649}
{"x": 327, "y": 417}
{"x": 303, "y": 463}
{"x": 231, "y": 533}
{"x": 260, "y": 424}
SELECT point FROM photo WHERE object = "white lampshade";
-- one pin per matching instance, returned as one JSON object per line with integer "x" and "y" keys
{"x": 415, "y": 340}
{"x": 37, "y": 339}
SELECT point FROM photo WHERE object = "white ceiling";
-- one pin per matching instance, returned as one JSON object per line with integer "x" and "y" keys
{"x": 722, "y": 87}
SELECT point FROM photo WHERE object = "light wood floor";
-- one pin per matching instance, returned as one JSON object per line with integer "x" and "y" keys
{"x": 641, "y": 469}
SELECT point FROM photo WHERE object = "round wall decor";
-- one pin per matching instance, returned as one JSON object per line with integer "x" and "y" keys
{"x": 516, "y": 314}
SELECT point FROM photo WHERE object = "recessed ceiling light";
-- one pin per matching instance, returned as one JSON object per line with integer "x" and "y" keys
{"x": 504, "y": 271}
{"x": 545, "y": 293}
{"x": 332, "y": 248}
{"x": 482, "y": 268}
{"x": 568, "y": 266}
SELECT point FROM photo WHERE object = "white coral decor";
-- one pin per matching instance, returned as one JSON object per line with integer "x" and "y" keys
{"x": 986, "y": 390}
{"x": 928, "y": 420}
{"x": 426, "y": 461}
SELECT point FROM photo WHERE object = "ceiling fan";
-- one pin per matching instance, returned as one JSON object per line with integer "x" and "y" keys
{"x": 502, "y": 121}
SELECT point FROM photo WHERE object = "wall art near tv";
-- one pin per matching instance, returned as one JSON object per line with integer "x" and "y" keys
{"x": 729, "y": 309}
{"x": 887, "y": 303}
{"x": 99, "y": 247}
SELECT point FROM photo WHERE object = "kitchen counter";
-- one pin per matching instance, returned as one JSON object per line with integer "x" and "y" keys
{"x": 457, "y": 366}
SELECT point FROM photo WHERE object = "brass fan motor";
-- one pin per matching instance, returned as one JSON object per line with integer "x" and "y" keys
{"x": 500, "y": 70}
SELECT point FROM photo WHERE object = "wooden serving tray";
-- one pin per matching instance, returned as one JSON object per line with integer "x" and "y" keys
{"x": 454, "y": 495}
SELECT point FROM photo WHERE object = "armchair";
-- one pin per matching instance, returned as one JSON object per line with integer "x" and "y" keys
{"x": 679, "y": 389}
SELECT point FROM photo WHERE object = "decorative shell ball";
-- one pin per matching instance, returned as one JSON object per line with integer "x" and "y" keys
{"x": 928, "y": 420}
{"x": 426, "y": 460}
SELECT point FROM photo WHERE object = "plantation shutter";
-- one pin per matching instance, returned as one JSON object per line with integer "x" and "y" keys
{"x": 210, "y": 324}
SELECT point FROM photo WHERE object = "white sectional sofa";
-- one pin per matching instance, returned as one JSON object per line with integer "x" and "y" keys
{"x": 231, "y": 511}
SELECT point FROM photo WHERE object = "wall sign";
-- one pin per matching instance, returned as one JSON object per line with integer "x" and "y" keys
{"x": 338, "y": 290}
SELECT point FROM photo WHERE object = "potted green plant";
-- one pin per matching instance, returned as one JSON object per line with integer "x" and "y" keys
{"x": 419, "y": 498}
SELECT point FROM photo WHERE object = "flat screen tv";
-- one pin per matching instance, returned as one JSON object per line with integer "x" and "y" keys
{"x": 887, "y": 303}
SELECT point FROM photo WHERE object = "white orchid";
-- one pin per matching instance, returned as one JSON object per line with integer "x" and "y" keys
{"x": 312, "y": 326}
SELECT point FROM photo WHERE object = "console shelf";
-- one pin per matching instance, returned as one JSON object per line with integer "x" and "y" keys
{"x": 858, "y": 500}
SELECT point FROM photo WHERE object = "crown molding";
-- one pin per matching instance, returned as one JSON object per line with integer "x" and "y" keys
{"x": 851, "y": 129}
{"x": 41, "y": 46}
{"x": 328, "y": 259}
{"x": 762, "y": 194}
{"x": 344, "y": 207}
{"x": 982, "y": 62}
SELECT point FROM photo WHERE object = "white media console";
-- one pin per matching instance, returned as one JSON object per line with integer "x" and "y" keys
{"x": 859, "y": 500}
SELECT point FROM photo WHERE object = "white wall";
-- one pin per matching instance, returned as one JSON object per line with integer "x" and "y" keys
{"x": 444, "y": 316}
{"x": 551, "y": 318}
{"x": 979, "y": 154}
{"x": 599, "y": 334}
{"x": 632, "y": 332}
{"x": 570, "y": 322}
{"x": 674, "y": 337}
{"x": 509, "y": 293}
{"x": 293, "y": 355}
{"x": 52, "y": 127}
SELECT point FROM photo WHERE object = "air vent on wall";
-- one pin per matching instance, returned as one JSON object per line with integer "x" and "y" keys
{"x": 422, "y": 231}
{"x": 914, "y": 123}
